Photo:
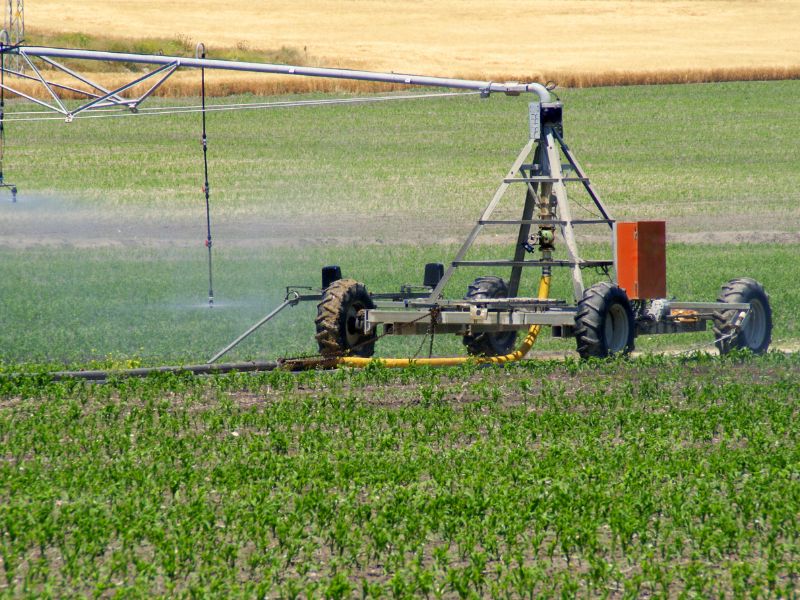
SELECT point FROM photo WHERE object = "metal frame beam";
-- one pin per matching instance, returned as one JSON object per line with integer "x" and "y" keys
{"x": 512, "y": 88}
{"x": 111, "y": 96}
{"x": 79, "y": 77}
{"x": 61, "y": 108}
{"x": 101, "y": 97}
{"x": 54, "y": 84}
{"x": 487, "y": 212}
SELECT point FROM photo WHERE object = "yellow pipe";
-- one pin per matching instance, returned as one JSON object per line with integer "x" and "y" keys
{"x": 518, "y": 354}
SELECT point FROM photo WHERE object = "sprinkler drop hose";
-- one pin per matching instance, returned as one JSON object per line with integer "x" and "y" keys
{"x": 518, "y": 354}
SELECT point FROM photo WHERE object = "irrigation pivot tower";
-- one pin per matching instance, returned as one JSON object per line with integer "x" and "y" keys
{"x": 14, "y": 24}
{"x": 14, "y": 21}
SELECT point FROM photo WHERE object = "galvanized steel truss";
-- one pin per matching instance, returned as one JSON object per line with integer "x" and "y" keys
{"x": 164, "y": 67}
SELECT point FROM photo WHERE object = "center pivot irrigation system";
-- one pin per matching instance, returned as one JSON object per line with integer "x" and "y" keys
{"x": 604, "y": 317}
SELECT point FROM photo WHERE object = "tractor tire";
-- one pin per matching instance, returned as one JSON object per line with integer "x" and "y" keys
{"x": 604, "y": 322}
{"x": 337, "y": 334}
{"x": 486, "y": 343}
{"x": 757, "y": 332}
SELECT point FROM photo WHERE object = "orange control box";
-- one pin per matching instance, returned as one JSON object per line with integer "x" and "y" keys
{"x": 640, "y": 258}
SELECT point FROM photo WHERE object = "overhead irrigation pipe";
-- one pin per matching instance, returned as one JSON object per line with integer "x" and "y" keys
{"x": 510, "y": 88}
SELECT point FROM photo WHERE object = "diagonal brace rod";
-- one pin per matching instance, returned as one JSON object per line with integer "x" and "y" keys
{"x": 81, "y": 78}
{"x": 170, "y": 67}
{"x": 31, "y": 98}
{"x": 53, "y": 84}
{"x": 487, "y": 212}
{"x": 62, "y": 109}
{"x": 584, "y": 179}
{"x": 155, "y": 86}
{"x": 291, "y": 300}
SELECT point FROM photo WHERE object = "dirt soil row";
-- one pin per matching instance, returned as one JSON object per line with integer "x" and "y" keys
{"x": 28, "y": 225}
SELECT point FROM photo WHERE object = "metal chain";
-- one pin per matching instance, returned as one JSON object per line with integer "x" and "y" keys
{"x": 706, "y": 344}
{"x": 435, "y": 311}
{"x": 421, "y": 344}
{"x": 431, "y": 331}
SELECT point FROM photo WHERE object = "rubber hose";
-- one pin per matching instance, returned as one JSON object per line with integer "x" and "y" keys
{"x": 518, "y": 354}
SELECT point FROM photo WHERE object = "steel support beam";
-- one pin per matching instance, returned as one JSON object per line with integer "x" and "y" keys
{"x": 487, "y": 212}
{"x": 168, "y": 70}
{"x": 511, "y": 88}
{"x": 564, "y": 214}
{"x": 531, "y": 202}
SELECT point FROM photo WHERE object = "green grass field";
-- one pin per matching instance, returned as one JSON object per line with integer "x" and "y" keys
{"x": 666, "y": 151}
{"x": 639, "y": 477}
{"x": 82, "y": 304}
{"x": 104, "y": 252}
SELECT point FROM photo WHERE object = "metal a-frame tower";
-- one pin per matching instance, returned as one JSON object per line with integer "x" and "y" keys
{"x": 14, "y": 26}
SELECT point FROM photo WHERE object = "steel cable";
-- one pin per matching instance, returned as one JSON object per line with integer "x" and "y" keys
{"x": 29, "y": 116}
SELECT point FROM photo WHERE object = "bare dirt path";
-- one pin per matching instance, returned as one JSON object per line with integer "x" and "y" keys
{"x": 30, "y": 224}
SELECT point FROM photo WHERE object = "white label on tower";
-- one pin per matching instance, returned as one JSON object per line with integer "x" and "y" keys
{"x": 535, "y": 114}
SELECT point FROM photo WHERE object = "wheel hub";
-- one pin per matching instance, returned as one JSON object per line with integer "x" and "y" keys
{"x": 616, "y": 328}
{"x": 756, "y": 326}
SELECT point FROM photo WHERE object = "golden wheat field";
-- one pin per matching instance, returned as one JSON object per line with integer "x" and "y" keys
{"x": 574, "y": 42}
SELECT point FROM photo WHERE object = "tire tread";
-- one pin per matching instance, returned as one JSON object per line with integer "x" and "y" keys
{"x": 740, "y": 289}
{"x": 331, "y": 315}
{"x": 590, "y": 315}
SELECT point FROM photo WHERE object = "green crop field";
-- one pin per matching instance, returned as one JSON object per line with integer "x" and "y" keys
{"x": 657, "y": 477}
{"x": 652, "y": 476}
